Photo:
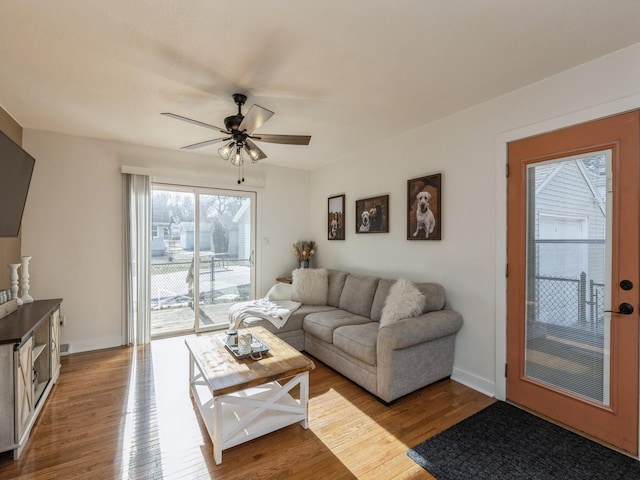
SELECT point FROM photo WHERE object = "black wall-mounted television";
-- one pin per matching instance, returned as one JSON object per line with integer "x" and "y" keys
{"x": 16, "y": 167}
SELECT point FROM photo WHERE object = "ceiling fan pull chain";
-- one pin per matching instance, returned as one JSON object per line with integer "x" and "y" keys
{"x": 241, "y": 173}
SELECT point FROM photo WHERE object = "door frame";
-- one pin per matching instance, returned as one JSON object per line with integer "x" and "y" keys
{"x": 498, "y": 386}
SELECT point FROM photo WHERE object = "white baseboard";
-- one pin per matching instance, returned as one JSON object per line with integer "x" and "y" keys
{"x": 90, "y": 345}
{"x": 480, "y": 384}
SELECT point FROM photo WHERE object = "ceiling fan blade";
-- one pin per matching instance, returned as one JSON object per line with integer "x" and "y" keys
{"x": 256, "y": 116}
{"x": 204, "y": 144}
{"x": 287, "y": 139}
{"x": 195, "y": 122}
{"x": 251, "y": 148}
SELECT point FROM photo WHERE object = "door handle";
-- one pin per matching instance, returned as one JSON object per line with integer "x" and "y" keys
{"x": 623, "y": 309}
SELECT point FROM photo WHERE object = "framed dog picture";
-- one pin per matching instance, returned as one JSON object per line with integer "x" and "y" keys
{"x": 335, "y": 217}
{"x": 424, "y": 204}
{"x": 372, "y": 215}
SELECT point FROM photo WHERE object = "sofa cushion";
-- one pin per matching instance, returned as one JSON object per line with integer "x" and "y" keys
{"x": 434, "y": 296}
{"x": 404, "y": 301}
{"x": 322, "y": 324}
{"x": 382, "y": 292}
{"x": 310, "y": 286}
{"x": 358, "y": 341}
{"x": 336, "y": 284}
{"x": 357, "y": 294}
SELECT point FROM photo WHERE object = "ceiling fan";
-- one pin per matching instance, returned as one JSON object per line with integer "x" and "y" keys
{"x": 239, "y": 135}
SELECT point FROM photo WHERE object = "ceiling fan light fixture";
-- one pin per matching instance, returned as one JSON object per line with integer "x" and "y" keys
{"x": 237, "y": 159}
{"x": 225, "y": 152}
{"x": 253, "y": 153}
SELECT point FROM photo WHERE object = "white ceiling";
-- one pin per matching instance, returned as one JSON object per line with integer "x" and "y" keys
{"x": 350, "y": 73}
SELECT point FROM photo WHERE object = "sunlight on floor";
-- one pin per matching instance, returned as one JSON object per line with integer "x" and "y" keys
{"x": 128, "y": 431}
{"x": 168, "y": 424}
{"x": 174, "y": 409}
{"x": 555, "y": 362}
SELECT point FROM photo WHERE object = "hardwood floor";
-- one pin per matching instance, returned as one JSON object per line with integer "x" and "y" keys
{"x": 126, "y": 413}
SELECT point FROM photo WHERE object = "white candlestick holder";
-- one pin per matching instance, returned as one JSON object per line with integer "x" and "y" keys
{"x": 13, "y": 281}
{"x": 26, "y": 298}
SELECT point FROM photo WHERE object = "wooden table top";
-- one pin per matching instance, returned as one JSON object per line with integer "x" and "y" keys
{"x": 17, "y": 326}
{"x": 227, "y": 374}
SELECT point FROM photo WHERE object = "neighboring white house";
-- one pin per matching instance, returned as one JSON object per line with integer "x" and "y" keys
{"x": 158, "y": 233}
{"x": 243, "y": 219}
{"x": 187, "y": 236}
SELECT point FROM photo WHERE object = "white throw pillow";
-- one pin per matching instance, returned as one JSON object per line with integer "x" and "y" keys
{"x": 404, "y": 301}
{"x": 280, "y": 291}
{"x": 310, "y": 286}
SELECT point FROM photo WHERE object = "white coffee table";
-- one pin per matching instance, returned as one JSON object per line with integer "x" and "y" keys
{"x": 240, "y": 400}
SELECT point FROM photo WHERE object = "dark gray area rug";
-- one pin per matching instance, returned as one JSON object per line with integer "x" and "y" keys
{"x": 504, "y": 442}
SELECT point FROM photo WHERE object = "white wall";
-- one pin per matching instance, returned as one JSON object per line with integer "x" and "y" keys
{"x": 73, "y": 223}
{"x": 469, "y": 150}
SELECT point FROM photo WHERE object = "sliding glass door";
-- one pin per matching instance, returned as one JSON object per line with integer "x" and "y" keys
{"x": 225, "y": 262}
{"x": 171, "y": 299}
{"x": 201, "y": 257}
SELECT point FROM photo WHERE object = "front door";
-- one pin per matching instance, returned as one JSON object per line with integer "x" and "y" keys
{"x": 573, "y": 277}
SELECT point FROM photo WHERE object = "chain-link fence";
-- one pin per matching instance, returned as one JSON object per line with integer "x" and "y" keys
{"x": 570, "y": 302}
{"x": 221, "y": 279}
{"x": 169, "y": 283}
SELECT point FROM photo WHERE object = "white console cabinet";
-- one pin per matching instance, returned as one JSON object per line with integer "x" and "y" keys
{"x": 29, "y": 366}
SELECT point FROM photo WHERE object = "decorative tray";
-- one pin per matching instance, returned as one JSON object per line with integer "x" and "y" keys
{"x": 8, "y": 307}
{"x": 257, "y": 348}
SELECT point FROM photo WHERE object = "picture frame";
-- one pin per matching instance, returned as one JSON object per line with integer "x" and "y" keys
{"x": 424, "y": 208}
{"x": 372, "y": 215}
{"x": 335, "y": 217}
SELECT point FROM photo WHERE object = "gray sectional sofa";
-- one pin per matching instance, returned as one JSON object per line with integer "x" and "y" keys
{"x": 344, "y": 332}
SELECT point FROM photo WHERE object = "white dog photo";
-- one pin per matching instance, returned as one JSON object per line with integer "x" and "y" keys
{"x": 425, "y": 219}
{"x": 333, "y": 229}
{"x": 365, "y": 224}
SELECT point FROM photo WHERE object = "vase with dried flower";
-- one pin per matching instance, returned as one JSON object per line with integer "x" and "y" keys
{"x": 304, "y": 250}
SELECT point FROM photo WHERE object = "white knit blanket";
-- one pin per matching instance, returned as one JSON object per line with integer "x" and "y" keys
{"x": 277, "y": 312}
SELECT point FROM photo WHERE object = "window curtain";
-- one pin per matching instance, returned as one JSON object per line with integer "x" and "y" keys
{"x": 137, "y": 245}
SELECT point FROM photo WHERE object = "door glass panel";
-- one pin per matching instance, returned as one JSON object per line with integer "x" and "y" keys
{"x": 225, "y": 261}
{"x": 172, "y": 247}
{"x": 568, "y": 272}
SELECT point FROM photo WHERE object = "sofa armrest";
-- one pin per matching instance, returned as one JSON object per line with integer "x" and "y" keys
{"x": 413, "y": 331}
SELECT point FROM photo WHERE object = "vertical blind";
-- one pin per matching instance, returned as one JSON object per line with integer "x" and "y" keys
{"x": 137, "y": 229}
